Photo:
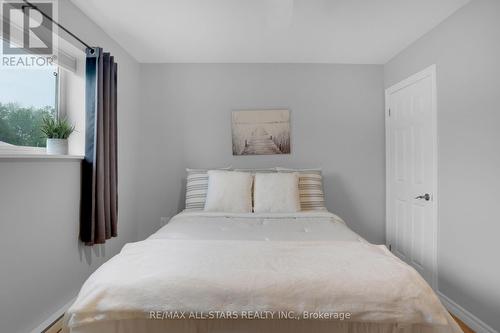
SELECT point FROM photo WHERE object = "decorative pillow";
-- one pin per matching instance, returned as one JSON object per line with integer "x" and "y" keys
{"x": 196, "y": 188}
{"x": 229, "y": 191}
{"x": 311, "y": 192}
{"x": 255, "y": 171}
{"x": 276, "y": 193}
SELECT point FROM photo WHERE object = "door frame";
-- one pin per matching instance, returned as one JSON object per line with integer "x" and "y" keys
{"x": 428, "y": 72}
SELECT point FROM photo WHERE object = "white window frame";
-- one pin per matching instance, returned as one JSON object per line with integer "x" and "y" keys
{"x": 10, "y": 149}
{"x": 65, "y": 60}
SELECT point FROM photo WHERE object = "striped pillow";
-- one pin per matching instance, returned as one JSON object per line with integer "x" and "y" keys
{"x": 311, "y": 192}
{"x": 197, "y": 188}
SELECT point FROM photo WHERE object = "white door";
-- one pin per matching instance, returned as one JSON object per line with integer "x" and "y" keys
{"x": 411, "y": 147}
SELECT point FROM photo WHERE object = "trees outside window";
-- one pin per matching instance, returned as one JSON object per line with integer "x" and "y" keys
{"x": 26, "y": 97}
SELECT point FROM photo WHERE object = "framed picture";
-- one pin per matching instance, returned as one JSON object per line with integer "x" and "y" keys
{"x": 261, "y": 132}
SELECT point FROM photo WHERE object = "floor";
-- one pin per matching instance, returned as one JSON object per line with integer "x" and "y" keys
{"x": 464, "y": 327}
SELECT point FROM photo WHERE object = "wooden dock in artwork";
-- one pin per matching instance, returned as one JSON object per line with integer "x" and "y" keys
{"x": 262, "y": 145}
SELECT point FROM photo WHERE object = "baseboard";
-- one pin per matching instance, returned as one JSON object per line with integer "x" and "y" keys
{"x": 43, "y": 326}
{"x": 468, "y": 318}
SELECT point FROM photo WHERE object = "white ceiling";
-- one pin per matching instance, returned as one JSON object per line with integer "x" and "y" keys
{"x": 316, "y": 31}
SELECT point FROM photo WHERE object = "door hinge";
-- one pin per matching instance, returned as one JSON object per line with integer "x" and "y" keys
{"x": 389, "y": 112}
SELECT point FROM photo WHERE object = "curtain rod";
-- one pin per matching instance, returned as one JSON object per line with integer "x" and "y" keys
{"x": 29, "y": 4}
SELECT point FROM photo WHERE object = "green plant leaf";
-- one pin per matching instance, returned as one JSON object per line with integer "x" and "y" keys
{"x": 56, "y": 128}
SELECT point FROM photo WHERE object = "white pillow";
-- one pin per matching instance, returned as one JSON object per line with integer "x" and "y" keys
{"x": 276, "y": 193}
{"x": 229, "y": 191}
{"x": 196, "y": 188}
{"x": 311, "y": 192}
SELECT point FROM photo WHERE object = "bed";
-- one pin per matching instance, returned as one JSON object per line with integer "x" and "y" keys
{"x": 248, "y": 272}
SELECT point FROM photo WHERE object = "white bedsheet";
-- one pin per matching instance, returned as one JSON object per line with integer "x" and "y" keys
{"x": 231, "y": 263}
{"x": 266, "y": 227}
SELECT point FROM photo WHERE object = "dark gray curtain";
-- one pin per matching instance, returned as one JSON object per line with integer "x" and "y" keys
{"x": 99, "y": 202}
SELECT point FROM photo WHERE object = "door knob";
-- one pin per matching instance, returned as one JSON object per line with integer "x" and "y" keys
{"x": 425, "y": 196}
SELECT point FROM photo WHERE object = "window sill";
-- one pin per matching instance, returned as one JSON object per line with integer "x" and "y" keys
{"x": 24, "y": 156}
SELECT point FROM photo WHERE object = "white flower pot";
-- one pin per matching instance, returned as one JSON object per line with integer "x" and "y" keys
{"x": 57, "y": 146}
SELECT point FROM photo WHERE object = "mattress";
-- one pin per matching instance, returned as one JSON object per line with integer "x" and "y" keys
{"x": 310, "y": 226}
{"x": 256, "y": 326}
{"x": 259, "y": 263}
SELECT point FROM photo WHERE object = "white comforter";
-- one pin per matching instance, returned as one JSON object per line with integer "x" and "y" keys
{"x": 208, "y": 264}
{"x": 302, "y": 226}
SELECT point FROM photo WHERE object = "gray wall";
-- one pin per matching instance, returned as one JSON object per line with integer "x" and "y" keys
{"x": 466, "y": 50}
{"x": 337, "y": 124}
{"x": 43, "y": 265}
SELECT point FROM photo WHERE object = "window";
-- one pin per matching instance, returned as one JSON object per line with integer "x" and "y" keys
{"x": 26, "y": 97}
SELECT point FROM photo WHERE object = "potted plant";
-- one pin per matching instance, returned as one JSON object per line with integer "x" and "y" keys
{"x": 57, "y": 132}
